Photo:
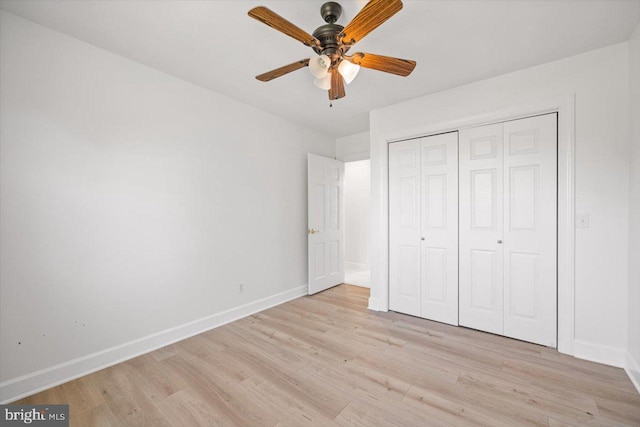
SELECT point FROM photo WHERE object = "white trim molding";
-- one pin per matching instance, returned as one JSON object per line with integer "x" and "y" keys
{"x": 599, "y": 353}
{"x": 632, "y": 368}
{"x": 356, "y": 266}
{"x": 355, "y": 157}
{"x": 565, "y": 107}
{"x": 377, "y": 305}
{"x": 35, "y": 382}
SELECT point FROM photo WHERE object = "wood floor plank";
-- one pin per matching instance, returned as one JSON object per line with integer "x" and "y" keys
{"x": 539, "y": 374}
{"x": 319, "y": 347}
{"x": 450, "y": 412}
{"x": 468, "y": 364}
{"x": 621, "y": 410}
{"x": 323, "y": 398}
{"x": 327, "y": 360}
{"x": 153, "y": 379}
{"x": 206, "y": 384}
{"x": 398, "y": 413}
{"x": 187, "y": 408}
{"x": 125, "y": 399}
{"x": 79, "y": 394}
{"x": 99, "y": 416}
{"x": 526, "y": 399}
{"x": 164, "y": 352}
{"x": 353, "y": 379}
{"x": 286, "y": 407}
{"x": 354, "y": 416}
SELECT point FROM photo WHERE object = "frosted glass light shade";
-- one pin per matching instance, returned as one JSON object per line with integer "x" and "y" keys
{"x": 323, "y": 82}
{"x": 348, "y": 70}
{"x": 319, "y": 66}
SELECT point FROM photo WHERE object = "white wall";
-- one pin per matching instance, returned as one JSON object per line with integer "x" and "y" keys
{"x": 633, "y": 356}
{"x": 132, "y": 202}
{"x": 353, "y": 147}
{"x": 357, "y": 183}
{"x": 600, "y": 81}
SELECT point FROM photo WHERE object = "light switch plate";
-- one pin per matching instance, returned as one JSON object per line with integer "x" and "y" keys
{"x": 582, "y": 221}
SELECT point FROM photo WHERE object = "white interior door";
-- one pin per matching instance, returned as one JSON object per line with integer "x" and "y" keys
{"x": 481, "y": 228}
{"x": 439, "y": 225}
{"x": 530, "y": 165}
{"x": 326, "y": 222}
{"x": 423, "y": 227}
{"x": 404, "y": 227}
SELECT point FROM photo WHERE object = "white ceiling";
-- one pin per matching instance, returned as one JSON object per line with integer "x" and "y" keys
{"x": 214, "y": 44}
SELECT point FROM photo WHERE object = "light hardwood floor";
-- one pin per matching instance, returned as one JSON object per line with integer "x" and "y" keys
{"x": 326, "y": 360}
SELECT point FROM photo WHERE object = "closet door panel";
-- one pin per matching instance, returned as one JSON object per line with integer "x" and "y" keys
{"x": 404, "y": 227}
{"x": 439, "y": 227}
{"x": 481, "y": 228}
{"x": 530, "y": 165}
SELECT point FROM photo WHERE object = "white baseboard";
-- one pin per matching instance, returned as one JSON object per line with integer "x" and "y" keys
{"x": 360, "y": 285}
{"x": 599, "y": 353}
{"x": 632, "y": 368}
{"x": 356, "y": 266}
{"x": 376, "y": 305}
{"x": 26, "y": 385}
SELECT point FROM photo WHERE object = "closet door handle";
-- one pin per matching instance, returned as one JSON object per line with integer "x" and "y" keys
{"x": 422, "y": 238}
{"x": 499, "y": 242}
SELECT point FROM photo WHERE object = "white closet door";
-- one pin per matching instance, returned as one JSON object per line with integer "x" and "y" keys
{"x": 508, "y": 221}
{"x": 530, "y": 167}
{"x": 481, "y": 228}
{"x": 404, "y": 227}
{"x": 439, "y": 224}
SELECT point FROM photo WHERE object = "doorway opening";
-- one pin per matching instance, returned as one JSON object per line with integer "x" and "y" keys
{"x": 357, "y": 187}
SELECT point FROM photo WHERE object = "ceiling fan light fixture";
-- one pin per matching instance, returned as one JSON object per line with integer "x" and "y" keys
{"x": 331, "y": 67}
{"x": 348, "y": 70}
{"x": 319, "y": 66}
{"x": 323, "y": 83}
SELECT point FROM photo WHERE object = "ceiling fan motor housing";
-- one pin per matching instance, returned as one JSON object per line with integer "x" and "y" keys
{"x": 329, "y": 34}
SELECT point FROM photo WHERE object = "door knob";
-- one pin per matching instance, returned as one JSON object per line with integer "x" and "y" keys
{"x": 313, "y": 231}
{"x": 500, "y": 242}
{"x": 422, "y": 238}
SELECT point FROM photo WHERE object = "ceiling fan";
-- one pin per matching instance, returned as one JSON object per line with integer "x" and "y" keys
{"x": 332, "y": 67}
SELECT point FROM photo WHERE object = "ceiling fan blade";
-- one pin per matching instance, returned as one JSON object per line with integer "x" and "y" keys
{"x": 400, "y": 67}
{"x": 337, "y": 85}
{"x": 278, "y": 72}
{"x": 369, "y": 18}
{"x": 275, "y": 21}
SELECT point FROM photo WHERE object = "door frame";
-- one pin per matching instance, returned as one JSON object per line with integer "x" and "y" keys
{"x": 565, "y": 107}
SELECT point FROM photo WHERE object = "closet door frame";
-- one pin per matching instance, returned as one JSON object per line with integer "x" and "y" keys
{"x": 565, "y": 107}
